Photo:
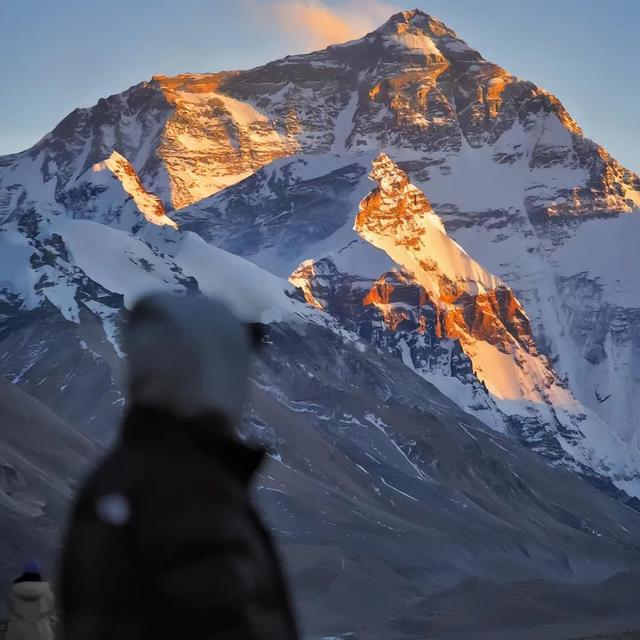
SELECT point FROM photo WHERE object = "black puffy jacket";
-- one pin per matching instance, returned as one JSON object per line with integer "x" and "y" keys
{"x": 164, "y": 542}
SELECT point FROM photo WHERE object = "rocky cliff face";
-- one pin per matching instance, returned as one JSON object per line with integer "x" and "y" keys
{"x": 416, "y": 90}
{"x": 184, "y": 139}
{"x": 426, "y": 300}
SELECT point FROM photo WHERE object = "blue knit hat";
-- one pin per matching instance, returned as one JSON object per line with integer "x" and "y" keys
{"x": 32, "y": 566}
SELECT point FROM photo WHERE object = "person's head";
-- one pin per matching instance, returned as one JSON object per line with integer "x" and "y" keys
{"x": 31, "y": 572}
{"x": 32, "y": 566}
{"x": 188, "y": 355}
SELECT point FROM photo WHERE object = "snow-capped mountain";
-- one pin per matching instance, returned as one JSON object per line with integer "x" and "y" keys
{"x": 448, "y": 268}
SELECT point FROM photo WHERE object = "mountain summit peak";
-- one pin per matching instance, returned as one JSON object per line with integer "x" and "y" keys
{"x": 416, "y": 19}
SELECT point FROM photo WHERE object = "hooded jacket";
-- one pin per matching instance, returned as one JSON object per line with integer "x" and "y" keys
{"x": 31, "y": 611}
{"x": 164, "y": 542}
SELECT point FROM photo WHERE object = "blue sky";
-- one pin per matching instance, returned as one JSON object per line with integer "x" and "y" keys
{"x": 56, "y": 55}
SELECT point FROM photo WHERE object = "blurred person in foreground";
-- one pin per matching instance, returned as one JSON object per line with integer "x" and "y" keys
{"x": 31, "y": 606}
{"x": 164, "y": 541}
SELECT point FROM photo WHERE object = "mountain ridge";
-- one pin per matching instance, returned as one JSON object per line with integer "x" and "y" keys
{"x": 283, "y": 129}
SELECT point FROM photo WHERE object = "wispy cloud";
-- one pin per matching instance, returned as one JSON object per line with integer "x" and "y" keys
{"x": 313, "y": 24}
